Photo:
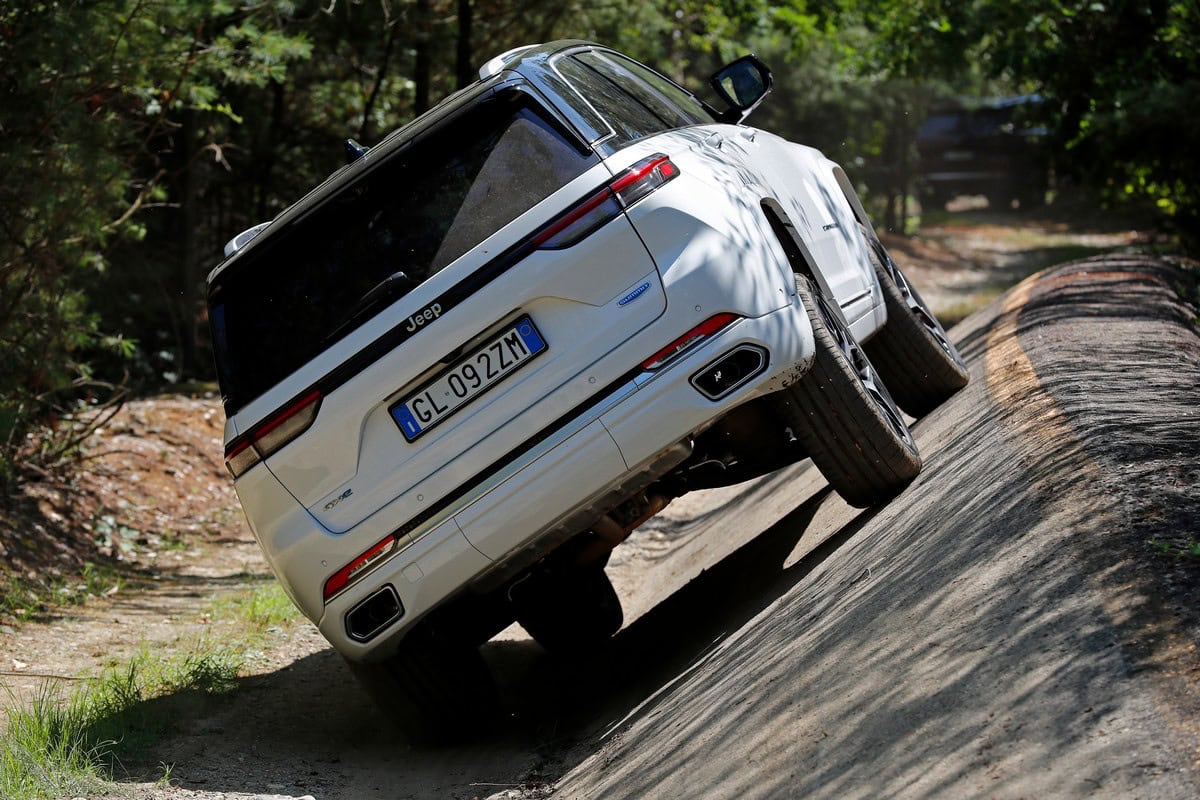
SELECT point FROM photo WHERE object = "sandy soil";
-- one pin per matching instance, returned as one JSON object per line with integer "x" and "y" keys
{"x": 155, "y": 499}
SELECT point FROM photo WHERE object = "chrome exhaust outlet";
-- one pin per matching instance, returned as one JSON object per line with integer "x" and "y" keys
{"x": 731, "y": 370}
{"x": 374, "y": 613}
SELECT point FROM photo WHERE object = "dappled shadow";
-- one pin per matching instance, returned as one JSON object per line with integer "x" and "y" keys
{"x": 954, "y": 648}
{"x": 951, "y": 643}
{"x": 313, "y": 710}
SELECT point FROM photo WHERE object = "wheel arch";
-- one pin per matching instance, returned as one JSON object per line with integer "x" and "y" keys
{"x": 798, "y": 254}
{"x": 860, "y": 213}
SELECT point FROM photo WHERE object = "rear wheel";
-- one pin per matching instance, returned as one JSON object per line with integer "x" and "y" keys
{"x": 568, "y": 610}
{"x": 913, "y": 353}
{"x": 843, "y": 415}
{"x": 434, "y": 691}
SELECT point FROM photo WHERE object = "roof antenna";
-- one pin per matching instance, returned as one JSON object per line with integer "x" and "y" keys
{"x": 354, "y": 151}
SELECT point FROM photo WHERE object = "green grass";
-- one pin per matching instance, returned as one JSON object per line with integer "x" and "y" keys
{"x": 24, "y": 599}
{"x": 66, "y": 744}
{"x": 59, "y": 746}
{"x": 1190, "y": 551}
{"x": 260, "y": 609}
{"x": 45, "y": 753}
{"x": 953, "y": 314}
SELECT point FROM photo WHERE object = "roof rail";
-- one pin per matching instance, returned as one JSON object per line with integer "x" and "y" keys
{"x": 495, "y": 65}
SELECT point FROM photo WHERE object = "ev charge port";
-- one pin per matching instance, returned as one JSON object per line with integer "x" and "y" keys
{"x": 730, "y": 371}
{"x": 367, "y": 619}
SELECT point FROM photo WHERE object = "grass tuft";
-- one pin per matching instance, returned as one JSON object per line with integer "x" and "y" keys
{"x": 24, "y": 599}
{"x": 67, "y": 746}
{"x": 45, "y": 752}
{"x": 1187, "y": 552}
{"x": 260, "y": 609}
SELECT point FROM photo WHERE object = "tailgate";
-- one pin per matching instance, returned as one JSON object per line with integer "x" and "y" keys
{"x": 452, "y": 421}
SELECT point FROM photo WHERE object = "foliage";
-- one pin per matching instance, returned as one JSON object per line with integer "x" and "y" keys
{"x": 66, "y": 746}
{"x": 1118, "y": 77}
{"x": 63, "y": 745}
{"x": 260, "y": 609}
{"x": 94, "y": 98}
{"x": 23, "y": 599}
{"x": 140, "y": 135}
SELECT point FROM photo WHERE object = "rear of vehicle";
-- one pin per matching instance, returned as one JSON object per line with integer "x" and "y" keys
{"x": 472, "y": 362}
{"x": 459, "y": 354}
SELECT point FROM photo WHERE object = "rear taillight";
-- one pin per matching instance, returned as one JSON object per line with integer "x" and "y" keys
{"x": 271, "y": 434}
{"x": 359, "y": 566}
{"x": 688, "y": 340}
{"x": 596, "y": 209}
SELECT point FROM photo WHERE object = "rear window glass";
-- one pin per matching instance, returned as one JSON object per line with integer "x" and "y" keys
{"x": 302, "y": 289}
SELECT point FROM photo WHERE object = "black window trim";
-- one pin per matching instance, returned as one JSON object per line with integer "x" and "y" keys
{"x": 604, "y": 144}
{"x": 567, "y": 81}
{"x": 455, "y": 294}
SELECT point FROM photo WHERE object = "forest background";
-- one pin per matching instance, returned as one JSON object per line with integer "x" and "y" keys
{"x": 138, "y": 136}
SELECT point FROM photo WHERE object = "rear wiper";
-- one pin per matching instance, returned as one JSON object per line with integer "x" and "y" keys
{"x": 386, "y": 292}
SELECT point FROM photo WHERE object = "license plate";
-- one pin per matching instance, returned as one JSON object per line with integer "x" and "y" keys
{"x": 470, "y": 377}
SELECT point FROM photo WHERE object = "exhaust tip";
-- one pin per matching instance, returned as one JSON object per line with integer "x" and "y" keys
{"x": 731, "y": 370}
{"x": 368, "y": 619}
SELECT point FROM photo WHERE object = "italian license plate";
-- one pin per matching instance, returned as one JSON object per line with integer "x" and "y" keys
{"x": 470, "y": 377}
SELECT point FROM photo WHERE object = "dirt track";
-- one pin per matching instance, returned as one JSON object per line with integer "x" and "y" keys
{"x": 1002, "y": 629}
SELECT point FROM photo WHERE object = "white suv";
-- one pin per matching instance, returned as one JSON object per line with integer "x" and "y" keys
{"x": 471, "y": 362}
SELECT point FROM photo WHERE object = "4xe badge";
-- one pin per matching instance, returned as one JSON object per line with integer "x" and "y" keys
{"x": 333, "y": 503}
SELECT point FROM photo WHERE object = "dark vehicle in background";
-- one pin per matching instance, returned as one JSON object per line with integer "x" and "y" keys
{"x": 983, "y": 147}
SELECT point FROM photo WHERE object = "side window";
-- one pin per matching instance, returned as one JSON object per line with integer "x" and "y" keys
{"x": 684, "y": 105}
{"x": 649, "y": 95}
{"x": 628, "y": 118}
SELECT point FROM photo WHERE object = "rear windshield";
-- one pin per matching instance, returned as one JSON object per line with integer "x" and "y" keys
{"x": 302, "y": 289}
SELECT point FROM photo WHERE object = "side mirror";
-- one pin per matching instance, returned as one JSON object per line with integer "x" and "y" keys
{"x": 742, "y": 84}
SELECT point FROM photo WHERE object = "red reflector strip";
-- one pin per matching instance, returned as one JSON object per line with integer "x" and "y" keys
{"x": 689, "y": 340}
{"x": 358, "y": 567}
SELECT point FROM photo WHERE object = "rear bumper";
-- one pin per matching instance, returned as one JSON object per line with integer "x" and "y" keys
{"x": 627, "y": 435}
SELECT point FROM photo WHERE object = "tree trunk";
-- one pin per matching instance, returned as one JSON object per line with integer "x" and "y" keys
{"x": 904, "y": 167}
{"x": 189, "y": 290}
{"x": 464, "y": 67}
{"x": 421, "y": 69}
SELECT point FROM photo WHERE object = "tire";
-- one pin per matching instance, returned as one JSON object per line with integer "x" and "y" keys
{"x": 912, "y": 353}
{"x": 844, "y": 417}
{"x": 432, "y": 691}
{"x": 568, "y": 611}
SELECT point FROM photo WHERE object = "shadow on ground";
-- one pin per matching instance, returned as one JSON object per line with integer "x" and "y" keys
{"x": 961, "y": 641}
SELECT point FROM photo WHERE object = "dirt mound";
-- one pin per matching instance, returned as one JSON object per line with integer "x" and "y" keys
{"x": 150, "y": 484}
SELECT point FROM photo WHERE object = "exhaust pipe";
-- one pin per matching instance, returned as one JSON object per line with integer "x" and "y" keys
{"x": 374, "y": 613}
{"x": 727, "y": 373}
